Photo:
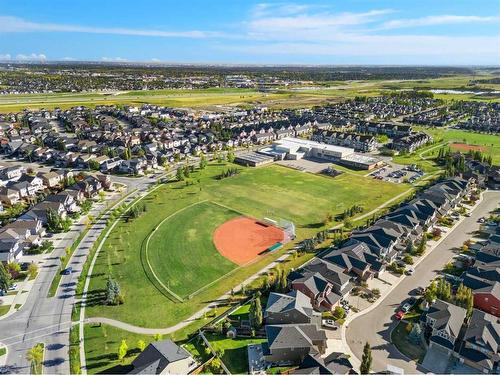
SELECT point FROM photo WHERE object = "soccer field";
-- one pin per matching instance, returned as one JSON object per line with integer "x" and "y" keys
{"x": 182, "y": 252}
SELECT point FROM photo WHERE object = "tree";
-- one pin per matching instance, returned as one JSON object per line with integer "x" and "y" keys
{"x": 14, "y": 269}
{"x": 5, "y": 278}
{"x": 430, "y": 292}
{"x": 35, "y": 356}
{"x": 366, "y": 360}
{"x": 122, "y": 350}
{"x": 410, "y": 247}
{"x": 141, "y": 345}
{"x": 94, "y": 165}
{"x": 32, "y": 270}
{"x": 415, "y": 334}
{"x": 113, "y": 293}
{"x": 157, "y": 336}
{"x": 339, "y": 312}
{"x": 230, "y": 156}
{"x": 203, "y": 161}
{"x": 179, "y": 175}
{"x": 255, "y": 312}
{"x": 422, "y": 244}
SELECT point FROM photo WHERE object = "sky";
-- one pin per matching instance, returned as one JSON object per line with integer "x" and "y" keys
{"x": 358, "y": 32}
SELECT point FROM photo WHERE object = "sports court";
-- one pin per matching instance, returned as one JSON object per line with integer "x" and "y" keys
{"x": 242, "y": 239}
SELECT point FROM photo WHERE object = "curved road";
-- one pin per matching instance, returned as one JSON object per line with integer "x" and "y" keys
{"x": 375, "y": 326}
{"x": 48, "y": 319}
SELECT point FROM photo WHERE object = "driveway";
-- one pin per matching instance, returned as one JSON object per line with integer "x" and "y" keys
{"x": 375, "y": 326}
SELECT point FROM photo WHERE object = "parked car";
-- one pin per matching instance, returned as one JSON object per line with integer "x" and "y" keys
{"x": 399, "y": 315}
{"x": 24, "y": 266}
{"x": 329, "y": 323}
{"x": 419, "y": 290}
{"x": 410, "y": 271}
{"x": 406, "y": 307}
{"x": 13, "y": 287}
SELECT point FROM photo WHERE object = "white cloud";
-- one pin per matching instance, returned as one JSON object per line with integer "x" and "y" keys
{"x": 31, "y": 57}
{"x": 68, "y": 58}
{"x": 438, "y": 20}
{"x": 113, "y": 59}
{"x": 17, "y": 25}
{"x": 5, "y": 56}
{"x": 266, "y": 9}
{"x": 154, "y": 59}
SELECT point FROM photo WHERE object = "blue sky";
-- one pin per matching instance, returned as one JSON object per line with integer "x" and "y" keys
{"x": 437, "y": 32}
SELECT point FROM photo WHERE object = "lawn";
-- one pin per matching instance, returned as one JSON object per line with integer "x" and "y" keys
{"x": 270, "y": 191}
{"x": 184, "y": 236}
{"x": 4, "y": 309}
{"x": 235, "y": 355}
{"x": 399, "y": 337}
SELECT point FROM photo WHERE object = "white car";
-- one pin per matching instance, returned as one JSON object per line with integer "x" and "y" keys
{"x": 406, "y": 307}
{"x": 329, "y": 323}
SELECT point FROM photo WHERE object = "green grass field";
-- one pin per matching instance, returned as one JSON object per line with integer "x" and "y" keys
{"x": 270, "y": 191}
{"x": 280, "y": 98}
{"x": 185, "y": 236}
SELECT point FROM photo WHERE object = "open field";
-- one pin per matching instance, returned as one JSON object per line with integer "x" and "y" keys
{"x": 270, "y": 191}
{"x": 280, "y": 98}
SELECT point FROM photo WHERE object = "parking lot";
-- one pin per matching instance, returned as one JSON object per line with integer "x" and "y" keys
{"x": 398, "y": 173}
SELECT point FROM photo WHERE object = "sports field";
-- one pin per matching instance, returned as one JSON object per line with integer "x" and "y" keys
{"x": 181, "y": 249}
{"x": 184, "y": 237}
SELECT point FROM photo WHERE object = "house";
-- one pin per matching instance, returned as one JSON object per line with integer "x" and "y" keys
{"x": 133, "y": 166}
{"x": 291, "y": 343}
{"x": 50, "y": 179}
{"x": 481, "y": 343}
{"x": 90, "y": 186}
{"x": 486, "y": 292}
{"x": 411, "y": 142}
{"x": 39, "y": 211}
{"x": 30, "y": 232}
{"x": 294, "y": 307}
{"x": 24, "y": 189}
{"x": 66, "y": 199}
{"x": 443, "y": 322}
{"x": 11, "y": 173}
{"x": 35, "y": 183}
{"x": 163, "y": 357}
{"x": 315, "y": 274}
{"x": 318, "y": 289}
{"x": 9, "y": 196}
{"x": 356, "y": 259}
{"x": 110, "y": 164}
{"x": 10, "y": 249}
{"x": 333, "y": 364}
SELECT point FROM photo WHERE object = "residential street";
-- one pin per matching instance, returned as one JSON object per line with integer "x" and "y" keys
{"x": 375, "y": 326}
{"x": 48, "y": 320}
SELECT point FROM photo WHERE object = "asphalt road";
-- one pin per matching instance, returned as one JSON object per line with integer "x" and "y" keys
{"x": 48, "y": 320}
{"x": 375, "y": 326}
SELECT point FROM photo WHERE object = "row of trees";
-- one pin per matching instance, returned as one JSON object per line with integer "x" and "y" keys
{"x": 442, "y": 290}
{"x": 230, "y": 172}
{"x": 350, "y": 212}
